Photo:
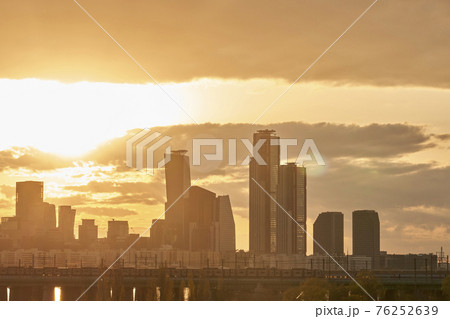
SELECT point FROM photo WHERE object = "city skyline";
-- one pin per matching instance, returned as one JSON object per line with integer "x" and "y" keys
{"x": 226, "y": 151}
{"x": 315, "y": 176}
{"x": 197, "y": 216}
{"x": 375, "y": 106}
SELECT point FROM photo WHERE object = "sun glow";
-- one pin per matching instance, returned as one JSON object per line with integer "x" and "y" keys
{"x": 71, "y": 119}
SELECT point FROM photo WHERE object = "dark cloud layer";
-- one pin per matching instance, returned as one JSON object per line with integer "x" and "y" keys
{"x": 107, "y": 211}
{"x": 333, "y": 140}
{"x": 399, "y": 42}
{"x": 139, "y": 193}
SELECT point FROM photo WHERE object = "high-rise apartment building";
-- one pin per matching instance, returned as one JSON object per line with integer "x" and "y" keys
{"x": 291, "y": 235}
{"x": 226, "y": 226}
{"x": 262, "y": 209}
{"x": 366, "y": 234}
{"x": 200, "y": 219}
{"x": 178, "y": 181}
{"x": 329, "y": 233}
{"x": 66, "y": 223}
{"x": 29, "y": 207}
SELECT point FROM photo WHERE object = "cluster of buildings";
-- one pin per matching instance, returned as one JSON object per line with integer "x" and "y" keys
{"x": 272, "y": 230}
{"x": 196, "y": 219}
{"x": 198, "y": 227}
{"x": 277, "y": 207}
{"x": 35, "y": 222}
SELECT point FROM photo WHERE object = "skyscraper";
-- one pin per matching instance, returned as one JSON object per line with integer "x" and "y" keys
{"x": 66, "y": 223}
{"x": 178, "y": 180}
{"x": 178, "y": 175}
{"x": 226, "y": 229}
{"x": 200, "y": 219}
{"x": 262, "y": 209}
{"x": 49, "y": 217}
{"x": 329, "y": 233}
{"x": 291, "y": 238}
{"x": 29, "y": 207}
{"x": 366, "y": 234}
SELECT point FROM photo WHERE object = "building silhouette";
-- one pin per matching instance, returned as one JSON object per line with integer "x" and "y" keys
{"x": 291, "y": 238}
{"x": 29, "y": 207}
{"x": 329, "y": 233}
{"x": 194, "y": 215}
{"x": 262, "y": 209}
{"x": 66, "y": 223}
{"x": 200, "y": 219}
{"x": 158, "y": 233}
{"x": 49, "y": 217}
{"x": 87, "y": 233}
{"x": 118, "y": 231}
{"x": 366, "y": 235}
{"x": 226, "y": 226}
{"x": 178, "y": 181}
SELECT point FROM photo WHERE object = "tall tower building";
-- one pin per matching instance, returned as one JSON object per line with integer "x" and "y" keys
{"x": 329, "y": 233}
{"x": 29, "y": 207}
{"x": 49, "y": 217}
{"x": 366, "y": 234}
{"x": 66, "y": 222}
{"x": 178, "y": 180}
{"x": 291, "y": 239}
{"x": 227, "y": 229}
{"x": 262, "y": 209}
{"x": 178, "y": 175}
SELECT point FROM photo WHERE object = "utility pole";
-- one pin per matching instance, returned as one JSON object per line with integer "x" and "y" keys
{"x": 415, "y": 271}
{"x": 447, "y": 267}
{"x": 431, "y": 267}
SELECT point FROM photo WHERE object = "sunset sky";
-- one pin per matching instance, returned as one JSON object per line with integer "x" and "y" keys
{"x": 377, "y": 104}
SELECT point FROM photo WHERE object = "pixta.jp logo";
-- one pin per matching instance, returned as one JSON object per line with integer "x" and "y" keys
{"x": 309, "y": 148}
{"x": 146, "y": 146}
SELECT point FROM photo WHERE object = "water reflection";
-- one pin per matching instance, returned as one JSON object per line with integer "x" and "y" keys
{"x": 186, "y": 293}
{"x": 57, "y": 293}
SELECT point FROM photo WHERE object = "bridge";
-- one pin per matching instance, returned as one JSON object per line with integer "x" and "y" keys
{"x": 18, "y": 283}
